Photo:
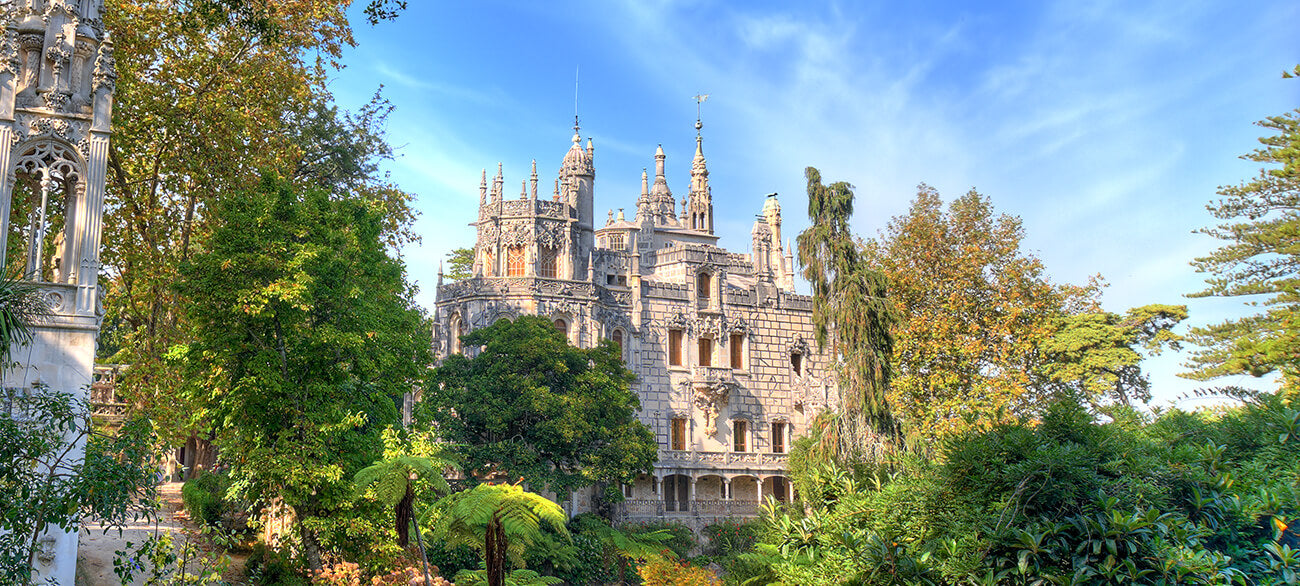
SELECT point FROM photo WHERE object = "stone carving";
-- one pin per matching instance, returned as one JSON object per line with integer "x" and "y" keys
{"x": 550, "y": 234}
{"x": 710, "y": 398}
{"x": 105, "y": 75}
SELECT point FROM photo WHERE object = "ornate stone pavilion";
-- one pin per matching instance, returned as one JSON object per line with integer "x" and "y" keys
{"x": 56, "y": 96}
{"x": 722, "y": 345}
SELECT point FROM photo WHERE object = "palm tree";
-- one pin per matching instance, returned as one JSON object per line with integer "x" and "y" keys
{"x": 501, "y": 521}
{"x": 21, "y": 306}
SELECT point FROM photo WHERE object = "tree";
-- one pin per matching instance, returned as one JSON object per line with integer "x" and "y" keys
{"x": 44, "y": 484}
{"x": 210, "y": 95}
{"x": 393, "y": 481}
{"x": 850, "y": 316}
{"x": 22, "y": 304}
{"x": 306, "y": 339}
{"x": 531, "y": 406}
{"x": 975, "y": 309}
{"x": 500, "y": 521}
{"x": 1094, "y": 357}
{"x": 1261, "y": 224}
{"x": 461, "y": 262}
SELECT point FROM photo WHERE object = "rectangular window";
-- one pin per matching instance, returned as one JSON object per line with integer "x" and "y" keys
{"x": 675, "y": 347}
{"x": 547, "y": 264}
{"x": 739, "y": 430}
{"x": 616, "y": 242}
{"x": 627, "y": 490}
{"x": 778, "y": 437}
{"x": 706, "y": 351}
{"x": 678, "y": 435}
{"x": 489, "y": 268}
{"x": 737, "y": 344}
{"x": 515, "y": 261}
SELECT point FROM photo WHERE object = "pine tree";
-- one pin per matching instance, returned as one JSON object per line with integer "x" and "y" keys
{"x": 1260, "y": 261}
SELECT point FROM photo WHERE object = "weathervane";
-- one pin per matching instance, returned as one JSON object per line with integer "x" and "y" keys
{"x": 699, "y": 99}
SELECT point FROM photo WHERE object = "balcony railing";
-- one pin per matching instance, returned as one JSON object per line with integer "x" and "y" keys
{"x": 641, "y": 508}
{"x": 726, "y": 459}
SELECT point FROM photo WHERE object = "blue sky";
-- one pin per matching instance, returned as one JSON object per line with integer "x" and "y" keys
{"x": 1106, "y": 126}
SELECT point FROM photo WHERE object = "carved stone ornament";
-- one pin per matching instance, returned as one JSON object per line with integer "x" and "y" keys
{"x": 550, "y": 234}
{"x": 10, "y": 57}
{"x": 711, "y": 398}
{"x": 71, "y": 131}
{"x": 45, "y": 550}
{"x": 798, "y": 345}
{"x": 738, "y": 325}
{"x": 516, "y": 233}
{"x": 105, "y": 75}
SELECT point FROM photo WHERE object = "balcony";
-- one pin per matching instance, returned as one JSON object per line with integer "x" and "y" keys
{"x": 702, "y": 459}
{"x": 644, "y": 508}
{"x": 710, "y": 376}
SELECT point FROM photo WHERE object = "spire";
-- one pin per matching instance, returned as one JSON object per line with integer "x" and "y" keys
{"x": 556, "y": 197}
{"x": 533, "y": 179}
{"x": 699, "y": 215}
{"x": 482, "y": 188}
{"x": 577, "y": 139}
{"x": 497, "y": 184}
{"x": 523, "y": 189}
{"x": 610, "y": 218}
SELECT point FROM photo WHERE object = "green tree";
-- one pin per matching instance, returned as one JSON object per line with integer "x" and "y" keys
{"x": 393, "y": 481}
{"x": 1095, "y": 357}
{"x": 531, "y": 406}
{"x": 306, "y": 338}
{"x": 460, "y": 262}
{"x": 976, "y": 309}
{"x": 1261, "y": 228}
{"x": 500, "y": 521}
{"x": 850, "y": 316}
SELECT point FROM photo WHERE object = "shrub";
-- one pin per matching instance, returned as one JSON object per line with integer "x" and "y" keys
{"x": 204, "y": 498}
{"x": 682, "y": 541}
{"x": 729, "y": 538}
{"x": 666, "y": 572}
{"x": 268, "y": 566}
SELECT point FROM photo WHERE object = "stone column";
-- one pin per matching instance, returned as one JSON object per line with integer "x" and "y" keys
{"x": 726, "y": 489}
{"x": 759, "y": 483}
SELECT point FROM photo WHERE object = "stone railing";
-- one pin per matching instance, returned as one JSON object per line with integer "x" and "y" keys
{"x": 526, "y": 207}
{"x": 796, "y": 301}
{"x": 104, "y": 403}
{"x": 711, "y": 375}
{"x": 641, "y": 508}
{"x": 696, "y": 458}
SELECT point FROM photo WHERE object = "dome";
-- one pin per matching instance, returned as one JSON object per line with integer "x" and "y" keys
{"x": 576, "y": 158}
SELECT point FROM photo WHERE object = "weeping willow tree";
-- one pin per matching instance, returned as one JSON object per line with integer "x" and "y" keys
{"x": 852, "y": 319}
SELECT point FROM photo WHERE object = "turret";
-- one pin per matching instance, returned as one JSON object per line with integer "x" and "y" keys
{"x": 577, "y": 180}
{"x": 699, "y": 208}
{"x": 662, "y": 205}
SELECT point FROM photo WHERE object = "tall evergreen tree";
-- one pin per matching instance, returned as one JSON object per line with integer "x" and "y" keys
{"x": 1260, "y": 261}
{"x": 850, "y": 316}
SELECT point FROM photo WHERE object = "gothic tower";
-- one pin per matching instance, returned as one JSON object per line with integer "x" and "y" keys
{"x": 699, "y": 204}
{"x": 56, "y": 97}
{"x": 577, "y": 188}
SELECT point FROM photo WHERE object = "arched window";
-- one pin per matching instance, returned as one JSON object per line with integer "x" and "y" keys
{"x": 796, "y": 363}
{"x": 515, "y": 261}
{"x": 547, "y": 265}
{"x": 562, "y": 326}
{"x": 617, "y": 338}
{"x": 489, "y": 267}
{"x": 457, "y": 330}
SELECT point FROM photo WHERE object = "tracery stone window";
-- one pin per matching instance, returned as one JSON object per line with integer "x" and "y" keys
{"x": 547, "y": 264}
{"x": 46, "y": 197}
{"x": 488, "y": 266}
{"x": 616, "y": 241}
{"x": 515, "y": 261}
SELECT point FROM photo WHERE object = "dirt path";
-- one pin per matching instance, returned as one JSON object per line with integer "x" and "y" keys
{"x": 97, "y": 549}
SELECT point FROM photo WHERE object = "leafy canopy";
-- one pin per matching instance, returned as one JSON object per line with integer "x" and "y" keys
{"x": 531, "y": 406}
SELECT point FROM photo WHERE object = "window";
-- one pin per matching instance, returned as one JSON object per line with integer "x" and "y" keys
{"x": 627, "y": 490}
{"x": 675, "y": 347}
{"x": 778, "y": 437}
{"x": 796, "y": 363}
{"x": 488, "y": 268}
{"x": 678, "y": 439}
{"x": 616, "y": 241}
{"x": 562, "y": 326}
{"x": 546, "y": 266}
{"x": 515, "y": 261}
{"x": 458, "y": 331}
{"x": 737, "y": 344}
{"x": 739, "y": 428}
{"x": 617, "y": 338}
{"x": 706, "y": 351}
{"x": 702, "y": 286}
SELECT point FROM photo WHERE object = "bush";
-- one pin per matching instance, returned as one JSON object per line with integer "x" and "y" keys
{"x": 729, "y": 538}
{"x": 682, "y": 541}
{"x": 666, "y": 572}
{"x": 204, "y": 498}
{"x": 268, "y": 566}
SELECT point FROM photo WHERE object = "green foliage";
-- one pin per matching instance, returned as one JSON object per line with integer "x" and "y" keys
{"x": 531, "y": 406}
{"x": 1095, "y": 356}
{"x": 679, "y": 541}
{"x": 161, "y": 559}
{"x": 518, "y": 577}
{"x": 306, "y": 338}
{"x": 204, "y": 497}
{"x": 1181, "y": 499}
{"x": 500, "y": 521}
{"x": 44, "y": 484}
{"x": 22, "y": 304}
{"x": 460, "y": 262}
{"x": 850, "y": 316}
{"x": 1260, "y": 219}
{"x": 268, "y": 566}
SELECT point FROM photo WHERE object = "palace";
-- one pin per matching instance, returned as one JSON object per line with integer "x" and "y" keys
{"x": 727, "y": 369}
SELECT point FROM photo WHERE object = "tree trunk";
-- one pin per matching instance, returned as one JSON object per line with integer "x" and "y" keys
{"x": 311, "y": 549}
{"x": 494, "y": 552}
{"x": 403, "y": 513}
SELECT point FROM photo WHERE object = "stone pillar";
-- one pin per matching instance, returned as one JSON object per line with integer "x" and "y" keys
{"x": 726, "y": 489}
{"x": 759, "y": 483}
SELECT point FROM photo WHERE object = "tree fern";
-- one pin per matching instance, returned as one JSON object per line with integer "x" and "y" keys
{"x": 501, "y": 521}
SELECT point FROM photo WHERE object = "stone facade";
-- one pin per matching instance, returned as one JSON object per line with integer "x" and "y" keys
{"x": 727, "y": 370}
{"x": 57, "y": 79}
